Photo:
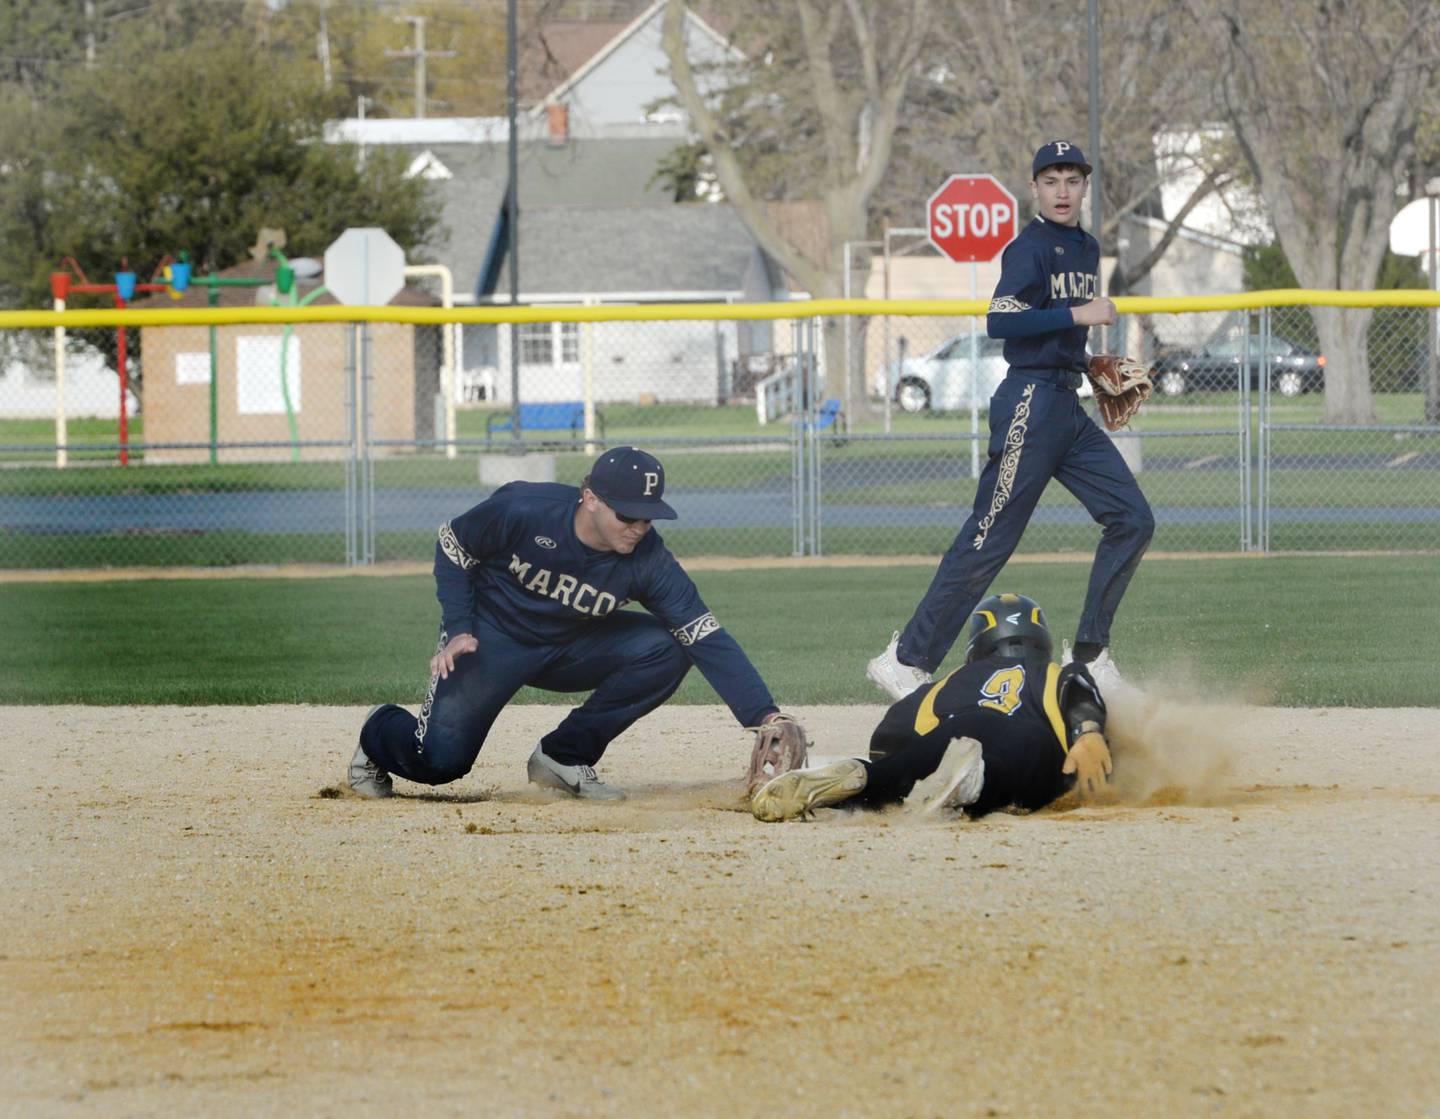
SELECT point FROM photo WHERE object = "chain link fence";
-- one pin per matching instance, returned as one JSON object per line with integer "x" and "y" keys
{"x": 337, "y": 442}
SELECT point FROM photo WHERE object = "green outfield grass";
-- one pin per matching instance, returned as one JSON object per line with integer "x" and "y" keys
{"x": 1303, "y": 631}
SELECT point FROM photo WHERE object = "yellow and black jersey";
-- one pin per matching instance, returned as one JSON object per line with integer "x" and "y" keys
{"x": 1020, "y": 710}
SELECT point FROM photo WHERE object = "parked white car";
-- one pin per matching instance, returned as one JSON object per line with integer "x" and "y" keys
{"x": 942, "y": 379}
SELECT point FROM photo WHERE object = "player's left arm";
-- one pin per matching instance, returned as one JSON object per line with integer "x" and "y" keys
{"x": 1020, "y": 306}
{"x": 1087, "y": 754}
{"x": 667, "y": 591}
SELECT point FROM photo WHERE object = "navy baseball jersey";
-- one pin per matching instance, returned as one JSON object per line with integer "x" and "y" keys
{"x": 515, "y": 563}
{"x": 1014, "y": 707}
{"x": 1044, "y": 272}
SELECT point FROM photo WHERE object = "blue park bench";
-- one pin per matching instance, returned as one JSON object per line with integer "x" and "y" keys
{"x": 558, "y": 415}
{"x": 829, "y": 415}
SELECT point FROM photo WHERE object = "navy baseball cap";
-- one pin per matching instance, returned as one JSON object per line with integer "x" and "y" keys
{"x": 1056, "y": 152}
{"x": 631, "y": 482}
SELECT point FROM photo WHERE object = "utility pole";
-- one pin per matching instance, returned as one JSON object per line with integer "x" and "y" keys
{"x": 419, "y": 54}
{"x": 322, "y": 41}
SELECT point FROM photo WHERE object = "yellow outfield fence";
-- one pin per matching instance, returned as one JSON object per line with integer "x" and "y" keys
{"x": 672, "y": 312}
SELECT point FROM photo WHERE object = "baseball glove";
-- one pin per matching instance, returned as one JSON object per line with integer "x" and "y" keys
{"x": 780, "y": 746}
{"x": 1121, "y": 385}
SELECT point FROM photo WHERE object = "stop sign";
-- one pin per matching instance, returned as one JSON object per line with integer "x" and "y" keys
{"x": 971, "y": 218}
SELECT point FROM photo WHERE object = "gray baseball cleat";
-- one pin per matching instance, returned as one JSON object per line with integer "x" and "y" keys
{"x": 363, "y": 777}
{"x": 366, "y": 779}
{"x": 577, "y": 780}
{"x": 895, "y": 679}
{"x": 801, "y": 791}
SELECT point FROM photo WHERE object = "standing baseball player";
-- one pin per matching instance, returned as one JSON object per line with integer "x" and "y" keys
{"x": 531, "y": 583}
{"x": 1009, "y": 728}
{"x": 1044, "y": 305}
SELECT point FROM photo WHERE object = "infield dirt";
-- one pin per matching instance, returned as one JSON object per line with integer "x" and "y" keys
{"x": 195, "y": 924}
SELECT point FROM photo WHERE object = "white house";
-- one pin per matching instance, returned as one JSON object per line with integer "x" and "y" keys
{"x": 598, "y": 226}
{"x": 91, "y": 388}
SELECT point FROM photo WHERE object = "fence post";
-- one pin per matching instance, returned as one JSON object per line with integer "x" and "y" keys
{"x": 1247, "y": 479}
{"x": 367, "y": 496}
{"x": 1264, "y": 387}
{"x": 812, "y": 429}
{"x": 352, "y": 453}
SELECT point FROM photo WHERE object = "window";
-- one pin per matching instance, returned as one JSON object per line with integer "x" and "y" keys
{"x": 538, "y": 343}
{"x": 537, "y": 347}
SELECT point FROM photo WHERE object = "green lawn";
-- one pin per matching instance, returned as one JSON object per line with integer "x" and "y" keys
{"x": 1286, "y": 630}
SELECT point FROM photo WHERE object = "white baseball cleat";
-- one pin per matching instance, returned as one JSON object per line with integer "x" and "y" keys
{"x": 577, "y": 780}
{"x": 956, "y": 782}
{"x": 801, "y": 791}
{"x": 1106, "y": 674}
{"x": 1102, "y": 668}
{"x": 895, "y": 679}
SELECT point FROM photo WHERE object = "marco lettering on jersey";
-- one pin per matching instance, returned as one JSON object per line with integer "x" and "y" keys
{"x": 567, "y": 589}
{"x": 1073, "y": 285}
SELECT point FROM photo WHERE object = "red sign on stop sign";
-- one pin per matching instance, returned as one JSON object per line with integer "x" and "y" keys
{"x": 971, "y": 218}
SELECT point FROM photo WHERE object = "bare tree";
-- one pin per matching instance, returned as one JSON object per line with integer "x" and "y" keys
{"x": 824, "y": 95}
{"x": 1003, "y": 77}
{"x": 1324, "y": 99}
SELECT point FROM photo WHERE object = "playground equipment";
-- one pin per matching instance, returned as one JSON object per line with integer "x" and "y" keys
{"x": 177, "y": 275}
{"x": 181, "y": 275}
{"x": 62, "y": 286}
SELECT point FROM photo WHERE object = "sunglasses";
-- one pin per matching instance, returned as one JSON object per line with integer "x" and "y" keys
{"x": 621, "y": 517}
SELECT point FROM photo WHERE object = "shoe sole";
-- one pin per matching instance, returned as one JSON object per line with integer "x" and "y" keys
{"x": 929, "y": 795}
{"x": 800, "y": 791}
{"x": 350, "y": 790}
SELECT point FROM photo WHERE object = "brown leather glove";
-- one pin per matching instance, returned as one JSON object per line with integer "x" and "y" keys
{"x": 1121, "y": 385}
{"x": 1089, "y": 760}
{"x": 780, "y": 746}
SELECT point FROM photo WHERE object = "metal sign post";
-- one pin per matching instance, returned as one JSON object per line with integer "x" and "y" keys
{"x": 1415, "y": 231}
{"x": 971, "y": 218}
{"x": 363, "y": 268}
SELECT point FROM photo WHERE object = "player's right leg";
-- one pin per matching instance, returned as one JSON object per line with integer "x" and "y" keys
{"x": 1096, "y": 473}
{"x": 442, "y": 743}
{"x": 1025, "y": 446}
{"x": 630, "y": 663}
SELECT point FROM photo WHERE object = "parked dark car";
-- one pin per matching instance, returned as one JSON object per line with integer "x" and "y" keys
{"x": 1216, "y": 368}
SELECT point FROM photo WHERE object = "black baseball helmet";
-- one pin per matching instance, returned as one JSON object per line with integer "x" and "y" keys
{"x": 1009, "y": 624}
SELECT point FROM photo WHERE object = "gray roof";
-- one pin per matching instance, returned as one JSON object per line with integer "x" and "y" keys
{"x": 693, "y": 248}
{"x": 605, "y": 172}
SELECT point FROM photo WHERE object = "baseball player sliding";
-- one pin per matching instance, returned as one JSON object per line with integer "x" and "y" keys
{"x": 530, "y": 583}
{"x": 1044, "y": 305}
{"x": 1008, "y": 728}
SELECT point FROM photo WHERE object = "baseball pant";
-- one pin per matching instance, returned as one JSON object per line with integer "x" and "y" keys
{"x": 630, "y": 660}
{"x": 1038, "y": 431}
